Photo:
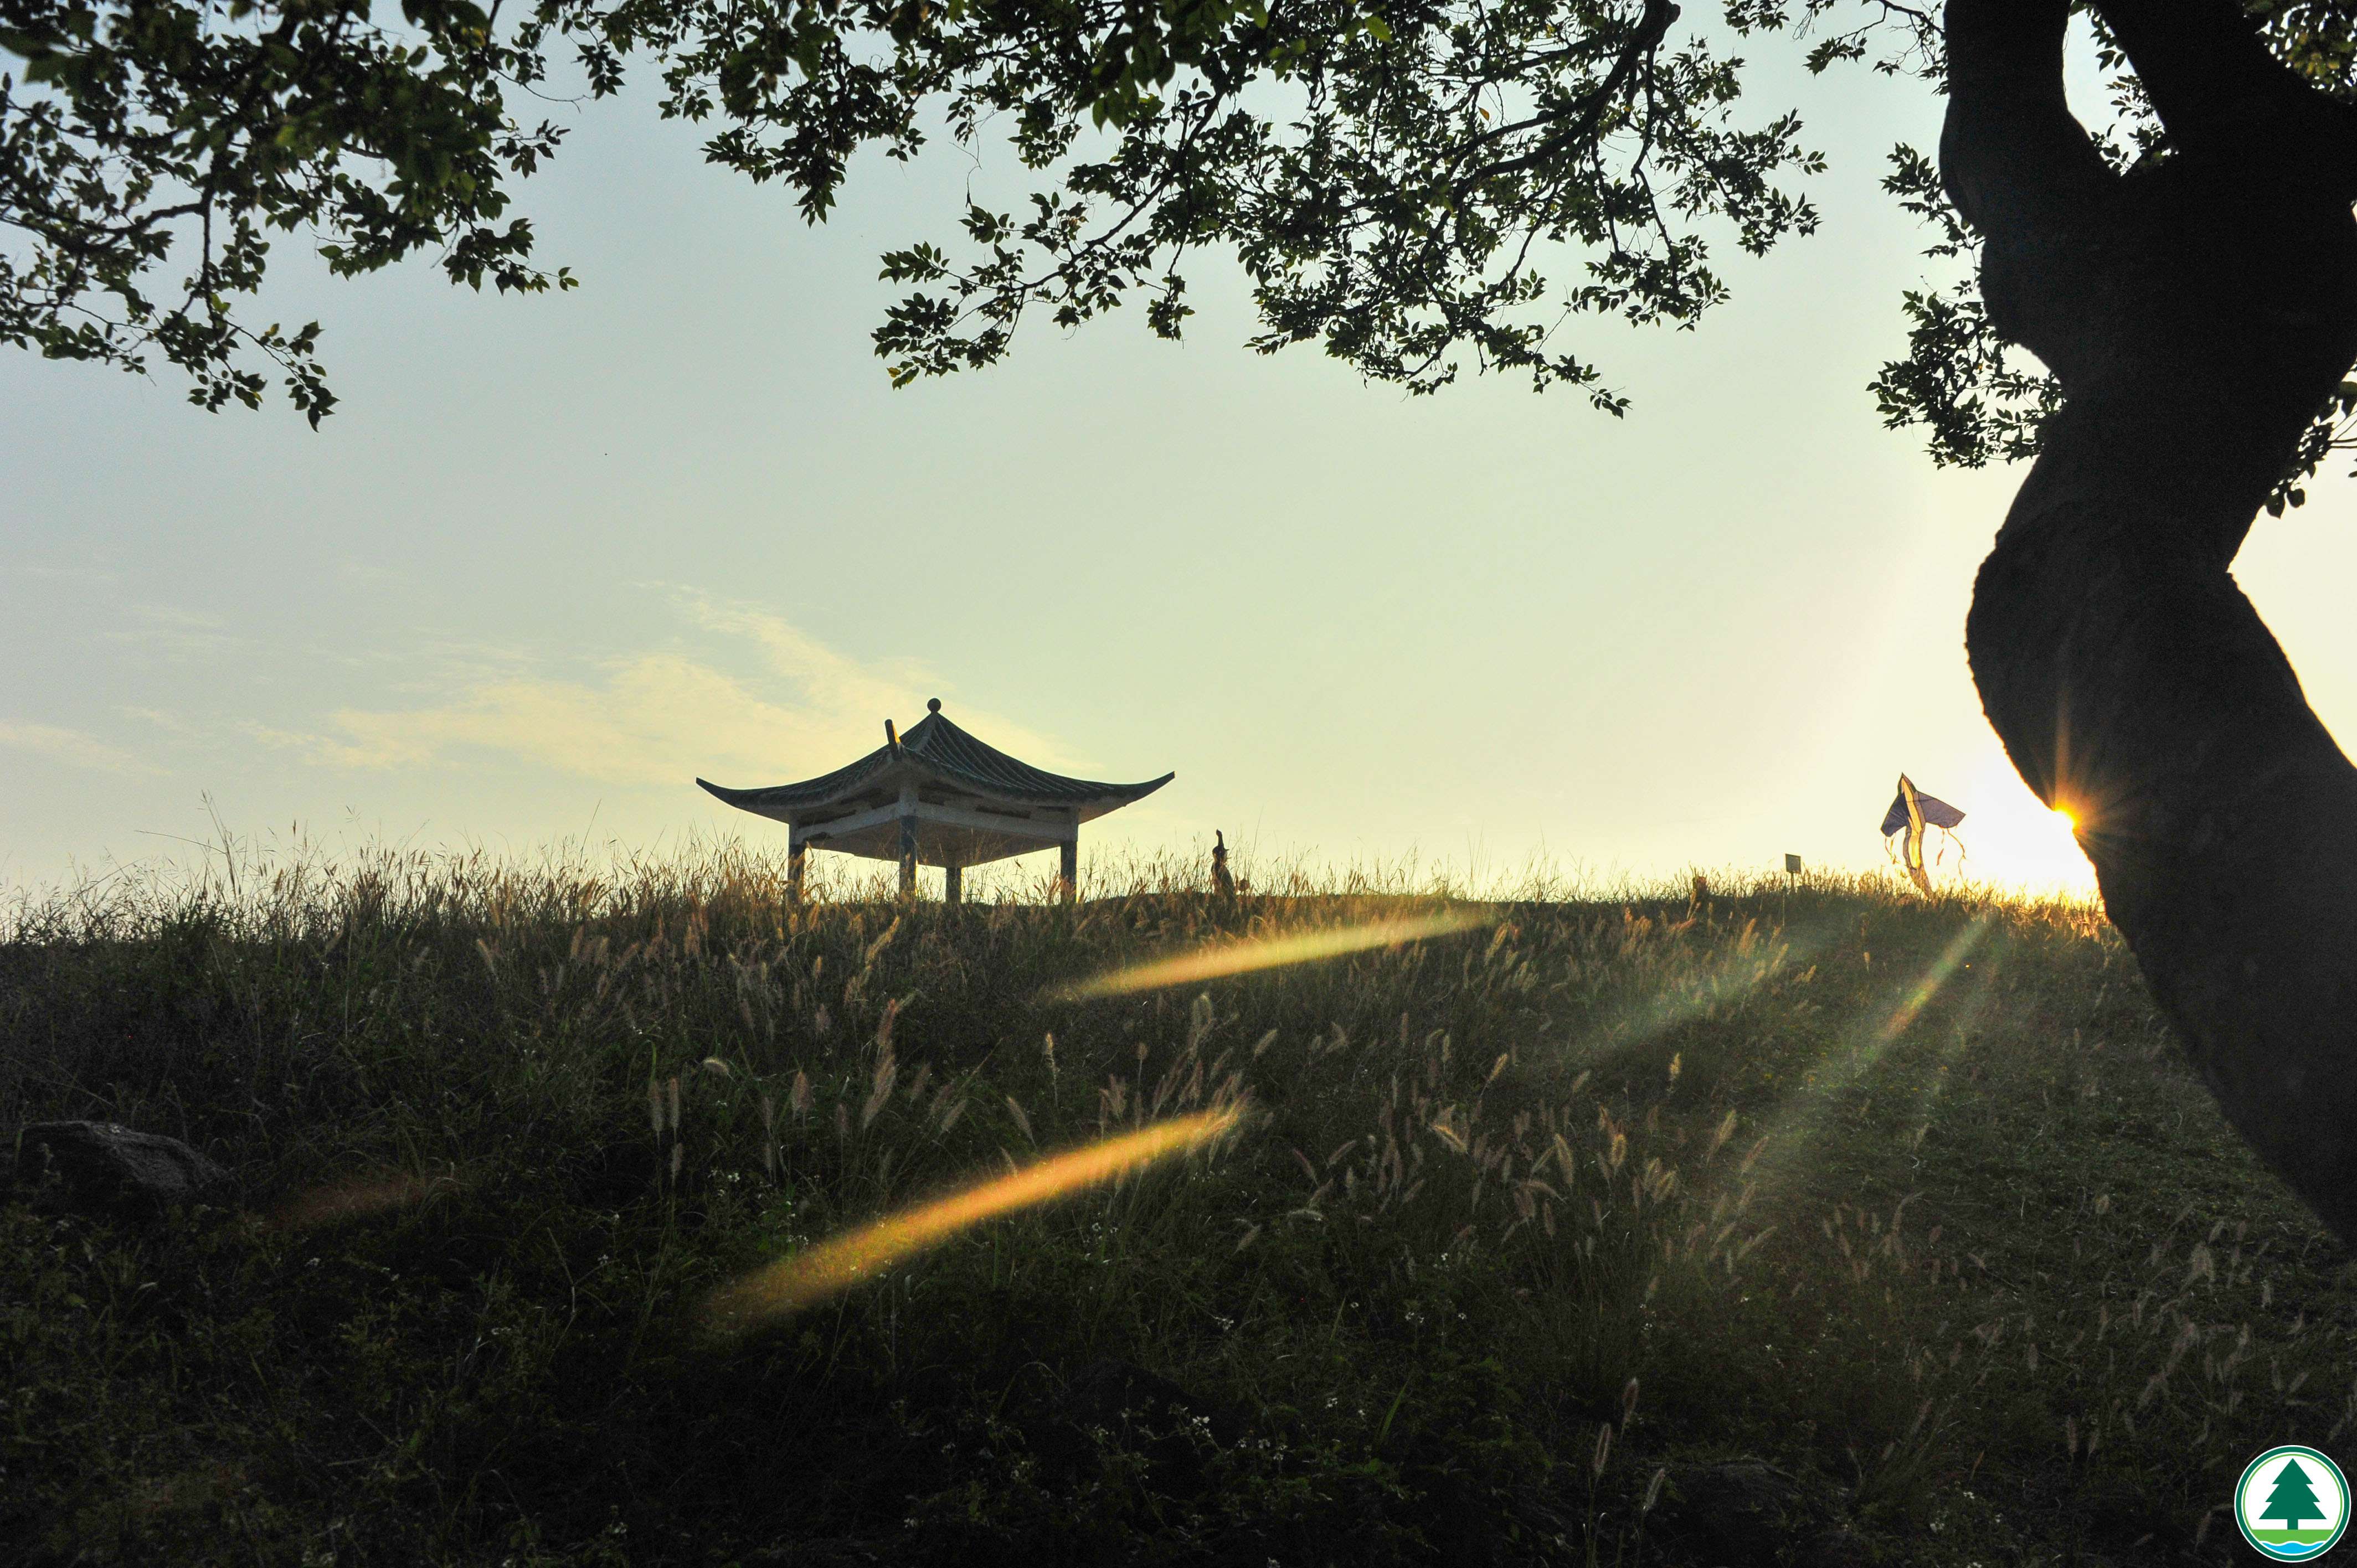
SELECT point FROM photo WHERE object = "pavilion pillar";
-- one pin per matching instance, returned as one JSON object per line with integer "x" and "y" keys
{"x": 797, "y": 851}
{"x": 908, "y": 856}
{"x": 1068, "y": 869}
{"x": 952, "y": 893}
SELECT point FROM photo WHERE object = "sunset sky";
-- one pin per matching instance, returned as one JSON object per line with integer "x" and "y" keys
{"x": 554, "y": 558}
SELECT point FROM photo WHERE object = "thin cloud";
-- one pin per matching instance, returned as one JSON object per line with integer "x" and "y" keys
{"x": 171, "y": 723}
{"x": 71, "y": 746}
{"x": 801, "y": 657}
{"x": 182, "y": 633}
{"x": 828, "y": 680}
{"x": 84, "y": 575}
{"x": 658, "y": 718}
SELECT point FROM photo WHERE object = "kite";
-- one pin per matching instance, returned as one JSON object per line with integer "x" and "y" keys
{"x": 1910, "y": 812}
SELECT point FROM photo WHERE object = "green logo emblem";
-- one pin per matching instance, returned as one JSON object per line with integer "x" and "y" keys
{"x": 2292, "y": 1503}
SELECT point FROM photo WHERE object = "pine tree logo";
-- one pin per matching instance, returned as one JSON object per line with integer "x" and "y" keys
{"x": 2292, "y": 1503}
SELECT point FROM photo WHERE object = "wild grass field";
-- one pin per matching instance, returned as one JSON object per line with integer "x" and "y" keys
{"x": 1835, "y": 1226}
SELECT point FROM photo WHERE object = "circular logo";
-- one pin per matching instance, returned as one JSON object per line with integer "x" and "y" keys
{"x": 2292, "y": 1503}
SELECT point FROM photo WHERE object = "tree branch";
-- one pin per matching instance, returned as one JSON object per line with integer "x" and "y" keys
{"x": 1651, "y": 27}
{"x": 2202, "y": 65}
{"x": 2026, "y": 174}
{"x": 2221, "y": 94}
{"x": 2014, "y": 159}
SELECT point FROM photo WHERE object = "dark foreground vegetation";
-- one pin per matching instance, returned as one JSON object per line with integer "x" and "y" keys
{"x": 1847, "y": 1228}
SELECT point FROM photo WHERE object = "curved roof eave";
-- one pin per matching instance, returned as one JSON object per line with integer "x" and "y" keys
{"x": 791, "y": 797}
{"x": 937, "y": 750}
{"x": 1119, "y": 795}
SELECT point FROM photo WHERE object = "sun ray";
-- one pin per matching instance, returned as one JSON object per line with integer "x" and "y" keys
{"x": 1928, "y": 987}
{"x": 1736, "y": 976}
{"x": 816, "y": 1272}
{"x": 1270, "y": 952}
{"x": 1802, "y": 1121}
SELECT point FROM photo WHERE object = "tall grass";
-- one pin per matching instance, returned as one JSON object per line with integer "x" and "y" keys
{"x": 1518, "y": 1226}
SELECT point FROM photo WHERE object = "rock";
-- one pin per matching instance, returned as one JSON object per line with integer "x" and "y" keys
{"x": 1109, "y": 1393}
{"x": 115, "y": 1172}
{"x": 1744, "y": 1509}
{"x": 827, "y": 1553}
{"x": 621, "y": 1173}
{"x": 1839, "y": 1547}
{"x": 1136, "y": 1409}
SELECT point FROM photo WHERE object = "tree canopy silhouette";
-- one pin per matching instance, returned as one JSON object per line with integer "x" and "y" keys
{"x": 1393, "y": 176}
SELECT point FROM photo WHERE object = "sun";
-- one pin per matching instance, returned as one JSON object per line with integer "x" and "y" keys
{"x": 2018, "y": 840}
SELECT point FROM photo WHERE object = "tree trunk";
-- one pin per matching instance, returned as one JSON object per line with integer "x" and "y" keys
{"x": 2198, "y": 311}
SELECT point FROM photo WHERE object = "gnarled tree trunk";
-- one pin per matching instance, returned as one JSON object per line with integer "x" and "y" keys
{"x": 2198, "y": 311}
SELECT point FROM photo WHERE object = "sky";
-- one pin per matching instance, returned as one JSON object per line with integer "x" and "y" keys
{"x": 554, "y": 558}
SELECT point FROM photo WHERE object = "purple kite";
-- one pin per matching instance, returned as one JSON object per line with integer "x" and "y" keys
{"x": 1910, "y": 812}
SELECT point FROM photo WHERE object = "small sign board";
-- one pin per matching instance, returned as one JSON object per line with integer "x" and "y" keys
{"x": 1792, "y": 866}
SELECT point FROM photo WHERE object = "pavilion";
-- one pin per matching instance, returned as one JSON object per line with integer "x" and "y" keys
{"x": 936, "y": 796}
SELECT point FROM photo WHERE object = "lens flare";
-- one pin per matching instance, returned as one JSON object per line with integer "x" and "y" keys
{"x": 1270, "y": 952}
{"x": 811, "y": 1275}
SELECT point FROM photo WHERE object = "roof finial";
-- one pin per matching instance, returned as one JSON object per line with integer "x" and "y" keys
{"x": 932, "y": 704}
{"x": 891, "y": 738}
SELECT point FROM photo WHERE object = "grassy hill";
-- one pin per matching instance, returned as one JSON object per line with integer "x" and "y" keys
{"x": 1522, "y": 1238}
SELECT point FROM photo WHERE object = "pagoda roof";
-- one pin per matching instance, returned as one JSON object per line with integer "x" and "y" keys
{"x": 935, "y": 755}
